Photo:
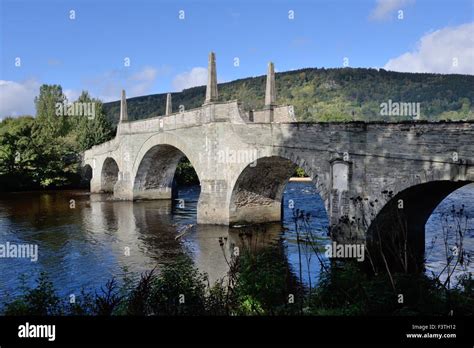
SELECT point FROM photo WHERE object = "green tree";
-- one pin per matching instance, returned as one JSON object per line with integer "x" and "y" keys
{"x": 16, "y": 155}
{"x": 49, "y": 124}
{"x": 45, "y": 151}
{"x": 55, "y": 157}
{"x": 94, "y": 130}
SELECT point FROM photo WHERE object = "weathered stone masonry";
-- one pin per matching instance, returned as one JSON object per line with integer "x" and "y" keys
{"x": 344, "y": 160}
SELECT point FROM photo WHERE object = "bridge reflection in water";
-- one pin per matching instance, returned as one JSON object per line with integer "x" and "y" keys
{"x": 93, "y": 242}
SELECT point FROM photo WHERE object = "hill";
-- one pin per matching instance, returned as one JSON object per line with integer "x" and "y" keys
{"x": 330, "y": 95}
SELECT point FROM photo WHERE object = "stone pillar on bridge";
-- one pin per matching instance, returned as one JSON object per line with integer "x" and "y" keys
{"x": 168, "y": 105}
{"x": 123, "y": 107}
{"x": 270, "y": 95}
{"x": 211, "y": 89}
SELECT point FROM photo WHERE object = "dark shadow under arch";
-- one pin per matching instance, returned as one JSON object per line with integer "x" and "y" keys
{"x": 257, "y": 194}
{"x": 400, "y": 225}
{"x": 156, "y": 173}
{"x": 86, "y": 177}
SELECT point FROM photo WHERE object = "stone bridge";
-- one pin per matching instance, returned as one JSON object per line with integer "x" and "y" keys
{"x": 366, "y": 173}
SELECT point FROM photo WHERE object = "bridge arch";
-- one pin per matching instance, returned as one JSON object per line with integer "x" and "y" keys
{"x": 156, "y": 164}
{"x": 257, "y": 190}
{"x": 397, "y": 228}
{"x": 109, "y": 175}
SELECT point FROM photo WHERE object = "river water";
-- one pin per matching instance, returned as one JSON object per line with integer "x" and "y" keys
{"x": 86, "y": 239}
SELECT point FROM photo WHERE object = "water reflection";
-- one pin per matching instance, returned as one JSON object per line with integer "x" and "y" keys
{"x": 454, "y": 215}
{"x": 85, "y": 239}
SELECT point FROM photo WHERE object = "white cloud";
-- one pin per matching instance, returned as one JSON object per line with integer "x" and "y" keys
{"x": 384, "y": 8}
{"x": 17, "y": 98}
{"x": 195, "y": 77}
{"x": 439, "y": 52}
{"x": 147, "y": 74}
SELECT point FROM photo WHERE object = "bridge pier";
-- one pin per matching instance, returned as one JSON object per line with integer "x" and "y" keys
{"x": 257, "y": 214}
{"x": 123, "y": 188}
{"x": 212, "y": 208}
{"x": 96, "y": 180}
{"x": 160, "y": 193}
{"x": 95, "y": 184}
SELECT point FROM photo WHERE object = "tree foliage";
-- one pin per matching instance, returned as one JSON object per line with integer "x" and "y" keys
{"x": 321, "y": 95}
{"x": 44, "y": 151}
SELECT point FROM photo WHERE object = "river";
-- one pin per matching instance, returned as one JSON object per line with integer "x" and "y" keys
{"x": 86, "y": 239}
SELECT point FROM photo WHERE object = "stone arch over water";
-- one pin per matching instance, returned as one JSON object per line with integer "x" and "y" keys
{"x": 399, "y": 224}
{"x": 156, "y": 171}
{"x": 257, "y": 192}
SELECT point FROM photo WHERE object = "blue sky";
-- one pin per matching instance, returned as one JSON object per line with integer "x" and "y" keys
{"x": 168, "y": 53}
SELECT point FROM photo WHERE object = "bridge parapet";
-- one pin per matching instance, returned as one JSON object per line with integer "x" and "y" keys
{"x": 215, "y": 112}
{"x": 211, "y": 111}
{"x": 108, "y": 146}
{"x": 277, "y": 114}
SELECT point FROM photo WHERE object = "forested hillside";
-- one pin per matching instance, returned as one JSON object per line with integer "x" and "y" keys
{"x": 330, "y": 95}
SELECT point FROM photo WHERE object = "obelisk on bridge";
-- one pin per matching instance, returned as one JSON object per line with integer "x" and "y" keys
{"x": 211, "y": 89}
{"x": 270, "y": 96}
{"x": 123, "y": 107}
{"x": 168, "y": 104}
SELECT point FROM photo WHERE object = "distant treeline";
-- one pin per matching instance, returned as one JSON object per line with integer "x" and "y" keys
{"x": 330, "y": 95}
